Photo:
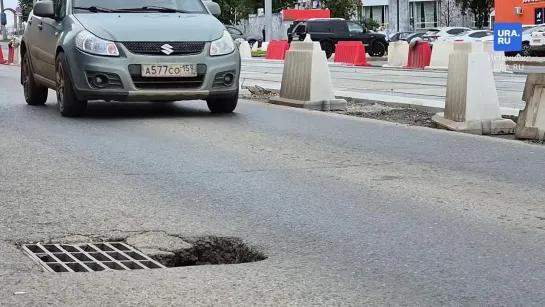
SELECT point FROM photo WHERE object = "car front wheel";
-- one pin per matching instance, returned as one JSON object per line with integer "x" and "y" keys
{"x": 69, "y": 105}
{"x": 223, "y": 105}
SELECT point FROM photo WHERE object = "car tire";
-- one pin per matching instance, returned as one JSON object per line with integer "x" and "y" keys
{"x": 223, "y": 105}
{"x": 68, "y": 103}
{"x": 328, "y": 48}
{"x": 525, "y": 49}
{"x": 35, "y": 95}
{"x": 378, "y": 49}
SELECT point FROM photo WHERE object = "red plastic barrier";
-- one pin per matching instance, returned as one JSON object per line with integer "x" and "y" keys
{"x": 352, "y": 53}
{"x": 2, "y": 61}
{"x": 420, "y": 56}
{"x": 276, "y": 50}
{"x": 11, "y": 55}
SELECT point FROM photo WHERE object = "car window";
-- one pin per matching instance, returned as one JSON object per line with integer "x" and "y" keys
{"x": 529, "y": 30}
{"x": 354, "y": 27}
{"x": 193, "y": 6}
{"x": 318, "y": 27}
{"x": 456, "y": 31}
{"x": 301, "y": 27}
{"x": 233, "y": 31}
{"x": 462, "y": 33}
{"x": 478, "y": 34}
{"x": 403, "y": 35}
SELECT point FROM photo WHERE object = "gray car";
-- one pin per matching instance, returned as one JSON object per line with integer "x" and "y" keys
{"x": 128, "y": 50}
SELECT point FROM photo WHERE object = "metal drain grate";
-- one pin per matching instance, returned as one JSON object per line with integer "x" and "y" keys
{"x": 89, "y": 257}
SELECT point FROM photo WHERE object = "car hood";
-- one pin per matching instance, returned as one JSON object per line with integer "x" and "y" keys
{"x": 152, "y": 26}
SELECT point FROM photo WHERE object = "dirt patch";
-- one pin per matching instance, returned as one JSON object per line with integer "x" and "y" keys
{"x": 379, "y": 111}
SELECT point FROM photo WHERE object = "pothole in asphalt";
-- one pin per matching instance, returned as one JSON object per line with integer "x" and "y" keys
{"x": 149, "y": 250}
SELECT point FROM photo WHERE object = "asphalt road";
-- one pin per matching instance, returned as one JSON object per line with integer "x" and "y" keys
{"x": 350, "y": 212}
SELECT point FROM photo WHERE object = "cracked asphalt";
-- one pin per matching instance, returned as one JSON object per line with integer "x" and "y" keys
{"x": 349, "y": 211}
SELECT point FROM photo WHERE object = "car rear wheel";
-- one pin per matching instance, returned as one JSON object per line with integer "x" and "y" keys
{"x": 378, "y": 49}
{"x": 69, "y": 105}
{"x": 35, "y": 95}
{"x": 328, "y": 48}
{"x": 223, "y": 105}
{"x": 525, "y": 49}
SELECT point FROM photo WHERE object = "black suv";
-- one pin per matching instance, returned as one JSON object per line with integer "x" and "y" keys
{"x": 330, "y": 31}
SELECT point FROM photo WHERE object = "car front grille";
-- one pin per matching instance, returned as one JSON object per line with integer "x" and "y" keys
{"x": 157, "y": 48}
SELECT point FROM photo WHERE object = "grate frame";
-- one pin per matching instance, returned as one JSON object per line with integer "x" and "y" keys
{"x": 89, "y": 257}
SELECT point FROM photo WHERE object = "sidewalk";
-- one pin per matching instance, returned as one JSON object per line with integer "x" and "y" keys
{"x": 424, "y": 90}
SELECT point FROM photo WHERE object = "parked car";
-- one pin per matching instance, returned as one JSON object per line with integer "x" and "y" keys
{"x": 251, "y": 39}
{"x": 526, "y": 39}
{"x": 537, "y": 42}
{"x": 329, "y": 31}
{"x": 470, "y": 36}
{"x": 439, "y": 34}
{"x": 99, "y": 50}
{"x": 407, "y": 36}
{"x": 400, "y": 36}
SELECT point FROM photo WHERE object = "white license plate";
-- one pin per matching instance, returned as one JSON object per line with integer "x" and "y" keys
{"x": 169, "y": 70}
{"x": 537, "y": 40}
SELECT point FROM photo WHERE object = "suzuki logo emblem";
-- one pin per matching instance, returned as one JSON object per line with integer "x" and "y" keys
{"x": 167, "y": 49}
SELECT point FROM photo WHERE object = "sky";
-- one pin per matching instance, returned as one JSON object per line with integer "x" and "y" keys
{"x": 10, "y": 4}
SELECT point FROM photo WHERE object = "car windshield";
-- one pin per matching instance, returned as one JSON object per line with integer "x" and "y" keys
{"x": 186, "y": 6}
{"x": 529, "y": 30}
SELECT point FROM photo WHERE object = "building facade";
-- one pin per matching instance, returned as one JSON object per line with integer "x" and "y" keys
{"x": 527, "y": 12}
{"x": 415, "y": 14}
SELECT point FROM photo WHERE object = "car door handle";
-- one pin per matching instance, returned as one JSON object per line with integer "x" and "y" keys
{"x": 40, "y": 26}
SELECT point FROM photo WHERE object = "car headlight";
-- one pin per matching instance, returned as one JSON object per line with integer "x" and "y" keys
{"x": 224, "y": 45}
{"x": 88, "y": 42}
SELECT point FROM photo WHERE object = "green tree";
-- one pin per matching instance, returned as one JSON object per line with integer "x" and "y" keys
{"x": 342, "y": 8}
{"x": 479, "y": 8}
{"x": 26, "y": 5}
{"x": 232, "y": 11}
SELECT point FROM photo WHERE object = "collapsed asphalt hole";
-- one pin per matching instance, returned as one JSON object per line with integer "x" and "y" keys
{"x": 148, "y": 250}
{"x": 213, "y": 250}
{"x": 210, "y": 250}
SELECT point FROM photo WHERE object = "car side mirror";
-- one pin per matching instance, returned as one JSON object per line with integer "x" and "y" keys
{"x": 214, "y": 8}
{"x": 44, "y": 9}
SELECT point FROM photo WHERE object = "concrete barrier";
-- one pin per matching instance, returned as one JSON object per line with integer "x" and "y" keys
{"x": 245, "y": 50}
{"x": 254, "y": 47}
{"x": 306, "y": 80}
{"x": 398, "y": 54}
{"x": 497, "y": 58}
{"x": 471, "y": 103}
{"x": 531, "y": 120}
{"x": 264, "y": 46}
{"x": 440, "y": 55}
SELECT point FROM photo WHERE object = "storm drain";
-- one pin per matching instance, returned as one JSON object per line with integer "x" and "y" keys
{"x": 89, "y": 257}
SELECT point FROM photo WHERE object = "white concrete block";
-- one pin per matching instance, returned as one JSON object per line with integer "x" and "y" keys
{"x": 398, "y": 54}
{"x": 497, "y": 58}
{"x": 472, "y": 103}
{"x": 254, "y": 47}
{"x": 306, "y": 80}
{"x": 245, "y": 50}
{"x": 440, "y": 55}
{"x": 531, "y": 120}
{"x": 264, "y": 46}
